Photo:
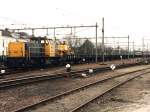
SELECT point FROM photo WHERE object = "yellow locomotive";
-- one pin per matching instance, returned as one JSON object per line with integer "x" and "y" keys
{"x": 63, "y": 48}
{"x": 39, "y": 51}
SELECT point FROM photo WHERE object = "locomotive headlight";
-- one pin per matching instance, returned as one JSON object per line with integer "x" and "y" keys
{"x": 83, "y": 59}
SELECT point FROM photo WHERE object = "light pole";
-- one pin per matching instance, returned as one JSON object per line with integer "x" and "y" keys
{"x": 128, "y": 48}
{"x": 103, "y": 46}
{"x": 96, "y": 44}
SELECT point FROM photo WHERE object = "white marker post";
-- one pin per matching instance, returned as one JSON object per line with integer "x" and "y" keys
{"x": 90, "y": 71}
{"x": 113, "y": 67}
{"x": 121, "y": 59}
{"x": 68, "y": 68}
{"x": 2, "y": 71}
{"x": 83, "y": 59}
{"x": 84, "y": 75}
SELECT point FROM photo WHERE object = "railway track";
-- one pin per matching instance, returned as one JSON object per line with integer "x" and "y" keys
{"x": 31, "y": 79}
{"x": 11, "y": 71}
{"x": 73, "y": 100}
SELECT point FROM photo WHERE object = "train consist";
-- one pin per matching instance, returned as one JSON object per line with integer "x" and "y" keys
{"x": 39, "y": 51}
{"x": 42, "y": 52}
{"x": 21, "y": 50}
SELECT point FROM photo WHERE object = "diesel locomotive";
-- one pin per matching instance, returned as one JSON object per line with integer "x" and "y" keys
{"x": 38, "y": 51}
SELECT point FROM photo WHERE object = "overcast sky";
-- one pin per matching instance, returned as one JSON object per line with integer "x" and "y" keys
{"x": 122, "y": 17}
